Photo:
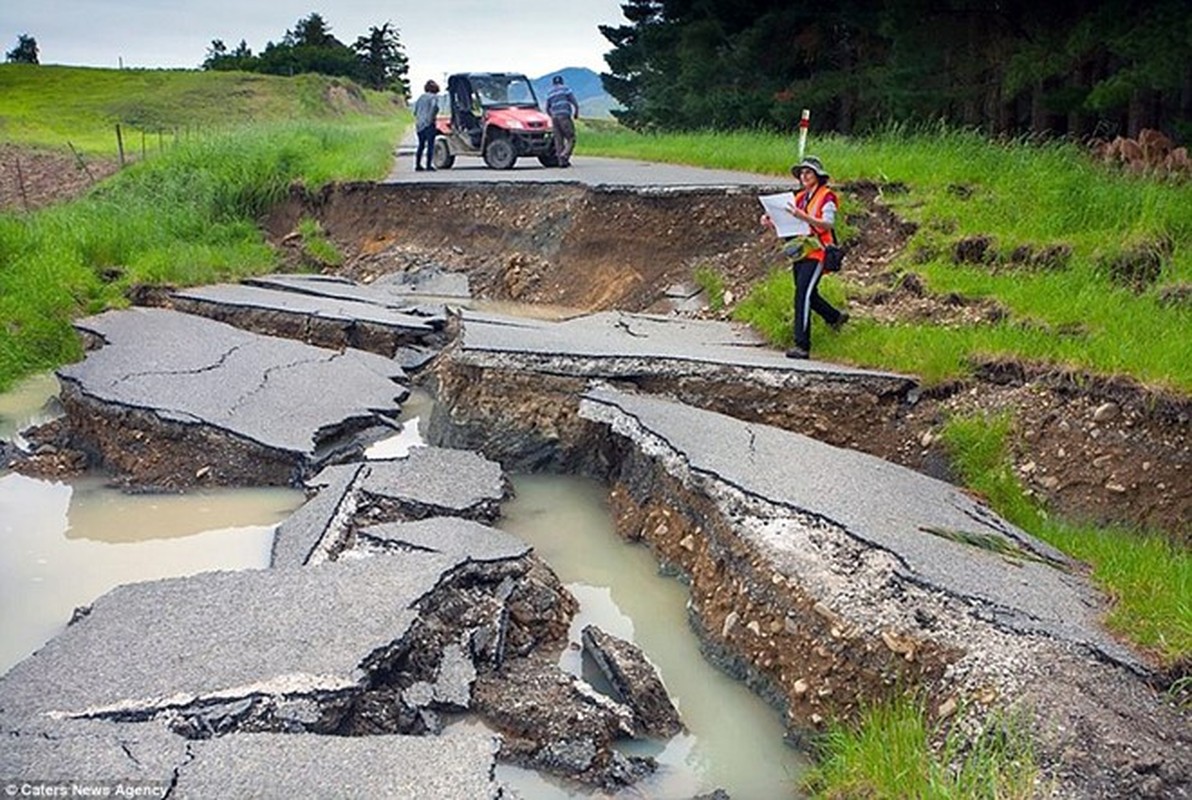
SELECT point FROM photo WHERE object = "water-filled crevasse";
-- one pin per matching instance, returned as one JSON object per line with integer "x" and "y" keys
{"x": 734, "y": 740}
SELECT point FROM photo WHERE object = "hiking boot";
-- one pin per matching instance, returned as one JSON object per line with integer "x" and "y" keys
{"x": 430, "y": 169}
{"x": 418, "y": 168}
{"x": 839, "y": 323}
{"x": 797, "y": 352}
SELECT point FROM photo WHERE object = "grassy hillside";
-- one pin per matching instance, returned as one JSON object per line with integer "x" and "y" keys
{"x": 51, "y": 105}
{"x": 1116, "y": 300}
{"x": 186, "y": 215}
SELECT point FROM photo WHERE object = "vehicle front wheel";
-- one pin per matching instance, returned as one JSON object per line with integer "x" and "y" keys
{"x": 499, "y": 154}
{"x": 442, "y": 158}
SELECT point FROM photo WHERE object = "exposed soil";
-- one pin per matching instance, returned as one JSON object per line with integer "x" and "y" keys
{"x": 32, "y": 178}
{"x": 1101, "y": 448}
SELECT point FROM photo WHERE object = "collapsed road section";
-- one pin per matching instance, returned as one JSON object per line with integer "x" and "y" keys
{"x": 172, "y": 399}
{"x": 824, "y": 577}
{"x": 358, "y": 656}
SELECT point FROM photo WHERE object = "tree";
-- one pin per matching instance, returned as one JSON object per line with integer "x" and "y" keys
{"x": 310, "y": 47}
{"x": 1065, "y": 67}
{"x": 25, "y": 52}
{"x": 312, "y": 31}
{"x": 220, "y": 59}
{"x": 384, "y": 61}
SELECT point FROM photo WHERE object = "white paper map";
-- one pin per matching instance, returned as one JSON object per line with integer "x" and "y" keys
{"x": 785, "y": 223}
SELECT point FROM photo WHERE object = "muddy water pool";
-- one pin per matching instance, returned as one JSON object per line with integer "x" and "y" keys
{"x": 62, "y": 544}
{"x": 734, "y": 740}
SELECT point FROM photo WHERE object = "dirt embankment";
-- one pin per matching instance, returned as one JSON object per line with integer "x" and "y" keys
{"x": 1105, "y": 449}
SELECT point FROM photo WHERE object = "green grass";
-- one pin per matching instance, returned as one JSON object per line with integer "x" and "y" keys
{"x": 712, "y": 284}
{"x": 190, "y": 214}
{"x": 892, "y": 754}
{"x": 959, "y": 185}
{"x": 1148, "y": 578}
{"x": 315, "y": 244}
{"x": 48, "y": 106}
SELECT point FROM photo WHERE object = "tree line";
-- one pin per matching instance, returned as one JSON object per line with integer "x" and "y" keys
{"x": 1010, "y": 67}
{"x": 376, "y": 60}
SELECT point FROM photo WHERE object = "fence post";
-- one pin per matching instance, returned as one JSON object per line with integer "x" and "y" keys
{"x": 79, "y": 158}
{"x": 21, "y": 185}
{"x": 144, "y": 155}
{"x": 120, "y": 145}
{"x": 804, "y": 124}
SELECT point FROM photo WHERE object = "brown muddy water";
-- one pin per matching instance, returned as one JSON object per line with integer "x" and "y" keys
{"x": 62, "y": 544}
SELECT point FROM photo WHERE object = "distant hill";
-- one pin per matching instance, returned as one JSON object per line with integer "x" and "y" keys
{"x": 593, "y": 100}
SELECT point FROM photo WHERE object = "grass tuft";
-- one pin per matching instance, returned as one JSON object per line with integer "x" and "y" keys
{"x": 893, "y": 754}
{"x": 1148, "y": 577}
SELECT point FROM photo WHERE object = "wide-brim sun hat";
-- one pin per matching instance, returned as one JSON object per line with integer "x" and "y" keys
{"x": 812, "y": 163}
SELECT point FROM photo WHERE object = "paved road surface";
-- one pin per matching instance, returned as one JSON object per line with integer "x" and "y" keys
{"x": 587, "y": 170}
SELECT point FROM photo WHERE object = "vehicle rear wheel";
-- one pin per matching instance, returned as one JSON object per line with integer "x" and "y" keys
{"x": 548, "y": 160}
{"x": 499, "y": 154}
{"x": 442, "y": 158}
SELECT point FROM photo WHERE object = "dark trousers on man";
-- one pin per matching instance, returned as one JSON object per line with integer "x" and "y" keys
{"x": 426, "y": 140}
{"x": 564, "y": 134}
{"x": 807, "y": 274}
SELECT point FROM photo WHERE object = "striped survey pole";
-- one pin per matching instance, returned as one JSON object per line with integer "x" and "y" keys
{"x": 804, "y": 124}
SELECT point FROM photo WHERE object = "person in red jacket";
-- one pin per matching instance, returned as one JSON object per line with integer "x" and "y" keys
{"x": 815, "y": 203}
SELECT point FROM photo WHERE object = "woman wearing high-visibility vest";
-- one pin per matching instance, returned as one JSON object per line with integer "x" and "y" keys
{"x": 816, "y": 205}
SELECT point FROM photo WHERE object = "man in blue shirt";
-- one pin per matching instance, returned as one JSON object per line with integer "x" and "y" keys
{"x": 426, "y": 108}
{"x": 563, "y": 109}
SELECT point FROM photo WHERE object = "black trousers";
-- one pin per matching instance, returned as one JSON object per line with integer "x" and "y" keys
{"x": 426, "y": 142}
{"x": 807, "y": 273}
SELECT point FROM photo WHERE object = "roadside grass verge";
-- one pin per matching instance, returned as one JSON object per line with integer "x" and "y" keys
{"x": 1082, "y": 256}
{"x": 1147, "y": 577}
{"x": 892, "y": 753}
{"x": 188, "y": 217}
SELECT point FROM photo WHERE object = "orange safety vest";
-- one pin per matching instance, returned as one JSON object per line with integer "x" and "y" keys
{"x": 814, "y": 207}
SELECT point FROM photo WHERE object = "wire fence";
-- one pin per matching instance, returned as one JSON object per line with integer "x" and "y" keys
{"x": 32, "y": 178}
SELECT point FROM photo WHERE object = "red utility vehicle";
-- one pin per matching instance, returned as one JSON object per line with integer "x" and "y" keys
{"x": 494, "y": 115}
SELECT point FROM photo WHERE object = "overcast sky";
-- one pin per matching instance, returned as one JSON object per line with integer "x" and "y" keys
{"x": 439, "y": 36}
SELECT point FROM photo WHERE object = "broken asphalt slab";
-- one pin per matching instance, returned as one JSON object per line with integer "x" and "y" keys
{"x": 222, "y": 637}
{"x": 323, "y": 319}
{"x": 396, "y": 290}
{"x": 1021, "y": 586}
{"x": 429, "y": 482}
{"x": 460, "y": 540}
{"x": 619, "y": 345}
{"x": 457, "y": 763}
{"x": 189, "y": 373}
{"x": 152, "y": 761}
{"x": 828, "y": 580}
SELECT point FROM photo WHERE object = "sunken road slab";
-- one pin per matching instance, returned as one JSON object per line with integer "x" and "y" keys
{"x": 79, "y": 753}
{"x": 429, "y": 482}
{"x": 288, "y": 397}
{"x": 392, "y": 290}
{"x": 98, "y": 758}
{"x": 1020, "y": 589}
{"x": 337, "y": 306}
{"x": 458, "y": 539}
{"x": 616, "y": 345}
{"x": 458, "y": 763}
{"x": 216, "y": 637}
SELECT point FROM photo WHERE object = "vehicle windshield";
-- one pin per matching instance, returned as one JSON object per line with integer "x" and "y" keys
{"x": 504, "y": 91}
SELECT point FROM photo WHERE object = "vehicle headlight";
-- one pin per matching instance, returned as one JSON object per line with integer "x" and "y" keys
{"x": 516, "y": 125}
